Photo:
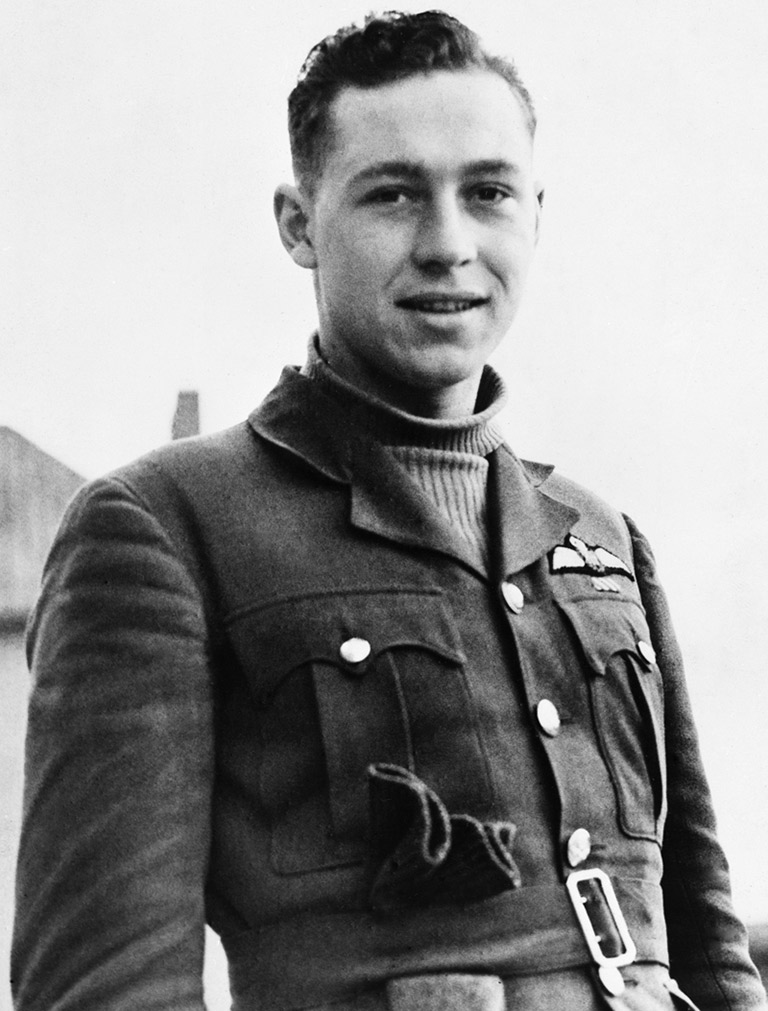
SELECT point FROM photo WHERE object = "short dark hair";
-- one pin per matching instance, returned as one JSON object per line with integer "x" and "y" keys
{"x": 388, "y": 47}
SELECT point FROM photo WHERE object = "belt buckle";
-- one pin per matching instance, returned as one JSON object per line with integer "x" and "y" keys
{"x": 591, "y": 936}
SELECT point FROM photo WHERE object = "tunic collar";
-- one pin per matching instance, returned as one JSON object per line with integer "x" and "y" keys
{"x": 304, "y": 420}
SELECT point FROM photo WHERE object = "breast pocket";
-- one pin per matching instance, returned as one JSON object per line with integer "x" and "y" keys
{"x": 627, "y": 699}
{"x": 344, "y": 680}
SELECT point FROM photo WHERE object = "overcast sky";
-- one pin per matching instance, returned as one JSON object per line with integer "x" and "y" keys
{"x": 142, "y": 143}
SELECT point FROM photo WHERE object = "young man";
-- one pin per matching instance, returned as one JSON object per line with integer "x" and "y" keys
{"x": 400, "y": 715}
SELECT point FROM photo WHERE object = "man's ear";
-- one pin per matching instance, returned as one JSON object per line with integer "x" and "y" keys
{"x": 292, "y": 215}
{"x": 539, "y": 207}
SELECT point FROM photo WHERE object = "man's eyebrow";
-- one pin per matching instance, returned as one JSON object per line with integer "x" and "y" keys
{"x": 402, "y": 169}
{"x": 414, "y": 171}
{"x": 493, "y": 166}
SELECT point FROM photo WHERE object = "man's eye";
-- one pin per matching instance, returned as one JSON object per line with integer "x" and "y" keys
{"x": 492, "y": 194}
{"x": 387, "y": 195}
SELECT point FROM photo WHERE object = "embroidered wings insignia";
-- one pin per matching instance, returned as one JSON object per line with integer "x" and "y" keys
{"x": 575, "y": 555}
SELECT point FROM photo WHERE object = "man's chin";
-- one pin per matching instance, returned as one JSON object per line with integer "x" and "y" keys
{"x": 438, "y": 367}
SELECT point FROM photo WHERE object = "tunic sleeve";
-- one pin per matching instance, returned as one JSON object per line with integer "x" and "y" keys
{"x": 116, "y": 823}
{"x": 707, "y": 942}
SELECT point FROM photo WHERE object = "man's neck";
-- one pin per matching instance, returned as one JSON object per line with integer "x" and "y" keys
{"x": 442, "y": 404}
{"x": 456, "y": 400}
{"x": 472, "y": 432}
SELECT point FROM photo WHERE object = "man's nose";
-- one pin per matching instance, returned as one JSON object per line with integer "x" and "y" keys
{"x": 445, "y": 237}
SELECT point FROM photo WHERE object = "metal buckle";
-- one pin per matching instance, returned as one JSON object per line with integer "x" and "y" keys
{"x": 591, "y": 936}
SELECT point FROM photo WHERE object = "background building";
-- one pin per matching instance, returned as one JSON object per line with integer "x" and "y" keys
{"x": 34, "y": 490}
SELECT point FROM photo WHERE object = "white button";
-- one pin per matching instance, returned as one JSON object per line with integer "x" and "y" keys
{"x": 579, "y": 847}
{"x": 548, "y": 717}
{"x": 513, "y": 596}
{"x": 647, "y": 652}
{"x": 355, "y": 650}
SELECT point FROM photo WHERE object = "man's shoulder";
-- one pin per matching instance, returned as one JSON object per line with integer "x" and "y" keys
{"x": 198, "y": 462}
{"x": 192, "y": 455}
{"x": 185, "y": 473}
{"x": 208, "y": 476}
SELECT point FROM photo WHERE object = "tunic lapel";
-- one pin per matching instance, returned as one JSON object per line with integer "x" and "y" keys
{"x": 525, "y": 522}
{"x": 304, "y": 421}
{"x": 385, "y": 501}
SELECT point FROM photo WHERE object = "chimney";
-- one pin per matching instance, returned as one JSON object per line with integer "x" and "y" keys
{"x": 186, "y": 420}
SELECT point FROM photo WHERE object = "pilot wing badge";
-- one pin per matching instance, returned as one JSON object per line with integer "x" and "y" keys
{"x": 575, "y": 555}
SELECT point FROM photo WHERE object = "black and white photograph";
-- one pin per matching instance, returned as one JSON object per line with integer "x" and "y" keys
{"x": 383, "y": 482}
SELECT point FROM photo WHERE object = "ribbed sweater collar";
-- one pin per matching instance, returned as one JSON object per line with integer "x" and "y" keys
{"x": 393, "y": 427}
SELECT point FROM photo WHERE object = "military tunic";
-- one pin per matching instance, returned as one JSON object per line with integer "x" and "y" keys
{"x": 254, "y": 651}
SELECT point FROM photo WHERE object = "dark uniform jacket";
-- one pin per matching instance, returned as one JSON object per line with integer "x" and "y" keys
{"x": 273, "y": 690}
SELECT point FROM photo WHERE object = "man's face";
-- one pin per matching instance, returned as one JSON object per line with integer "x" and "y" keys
{"x": 421, "y": 229}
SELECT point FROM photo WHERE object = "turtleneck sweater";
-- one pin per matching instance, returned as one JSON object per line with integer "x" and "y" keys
{"x": 444, "y": 458}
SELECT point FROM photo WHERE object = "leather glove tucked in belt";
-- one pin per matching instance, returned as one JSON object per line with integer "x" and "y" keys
{"x": 424, "y": 855}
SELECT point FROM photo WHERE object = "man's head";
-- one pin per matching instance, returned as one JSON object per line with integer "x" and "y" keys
{"x": 422, "y": 215}
{"x": 389, "y": 47}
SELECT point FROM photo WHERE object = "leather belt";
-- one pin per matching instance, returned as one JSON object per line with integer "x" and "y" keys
{"x": 313, "y": 959}
{"x": 464, "y": 992}
{"x": 649, "y": 989}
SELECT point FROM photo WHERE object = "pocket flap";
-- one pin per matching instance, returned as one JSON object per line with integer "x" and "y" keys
{"x": 605, "y": 627}
{"x": 277, "y": 638}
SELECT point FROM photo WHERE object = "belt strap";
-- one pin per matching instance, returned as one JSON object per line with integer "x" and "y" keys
{"x": 649, "y": 989}
{"x": 449, "y": 990}
{"x": 313, "y": 959}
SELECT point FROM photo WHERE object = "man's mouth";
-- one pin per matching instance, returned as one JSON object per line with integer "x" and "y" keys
{"x": 441, "y": 303}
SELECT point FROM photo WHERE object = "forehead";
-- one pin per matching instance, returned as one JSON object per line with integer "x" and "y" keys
{"x": 437, "y": 119}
